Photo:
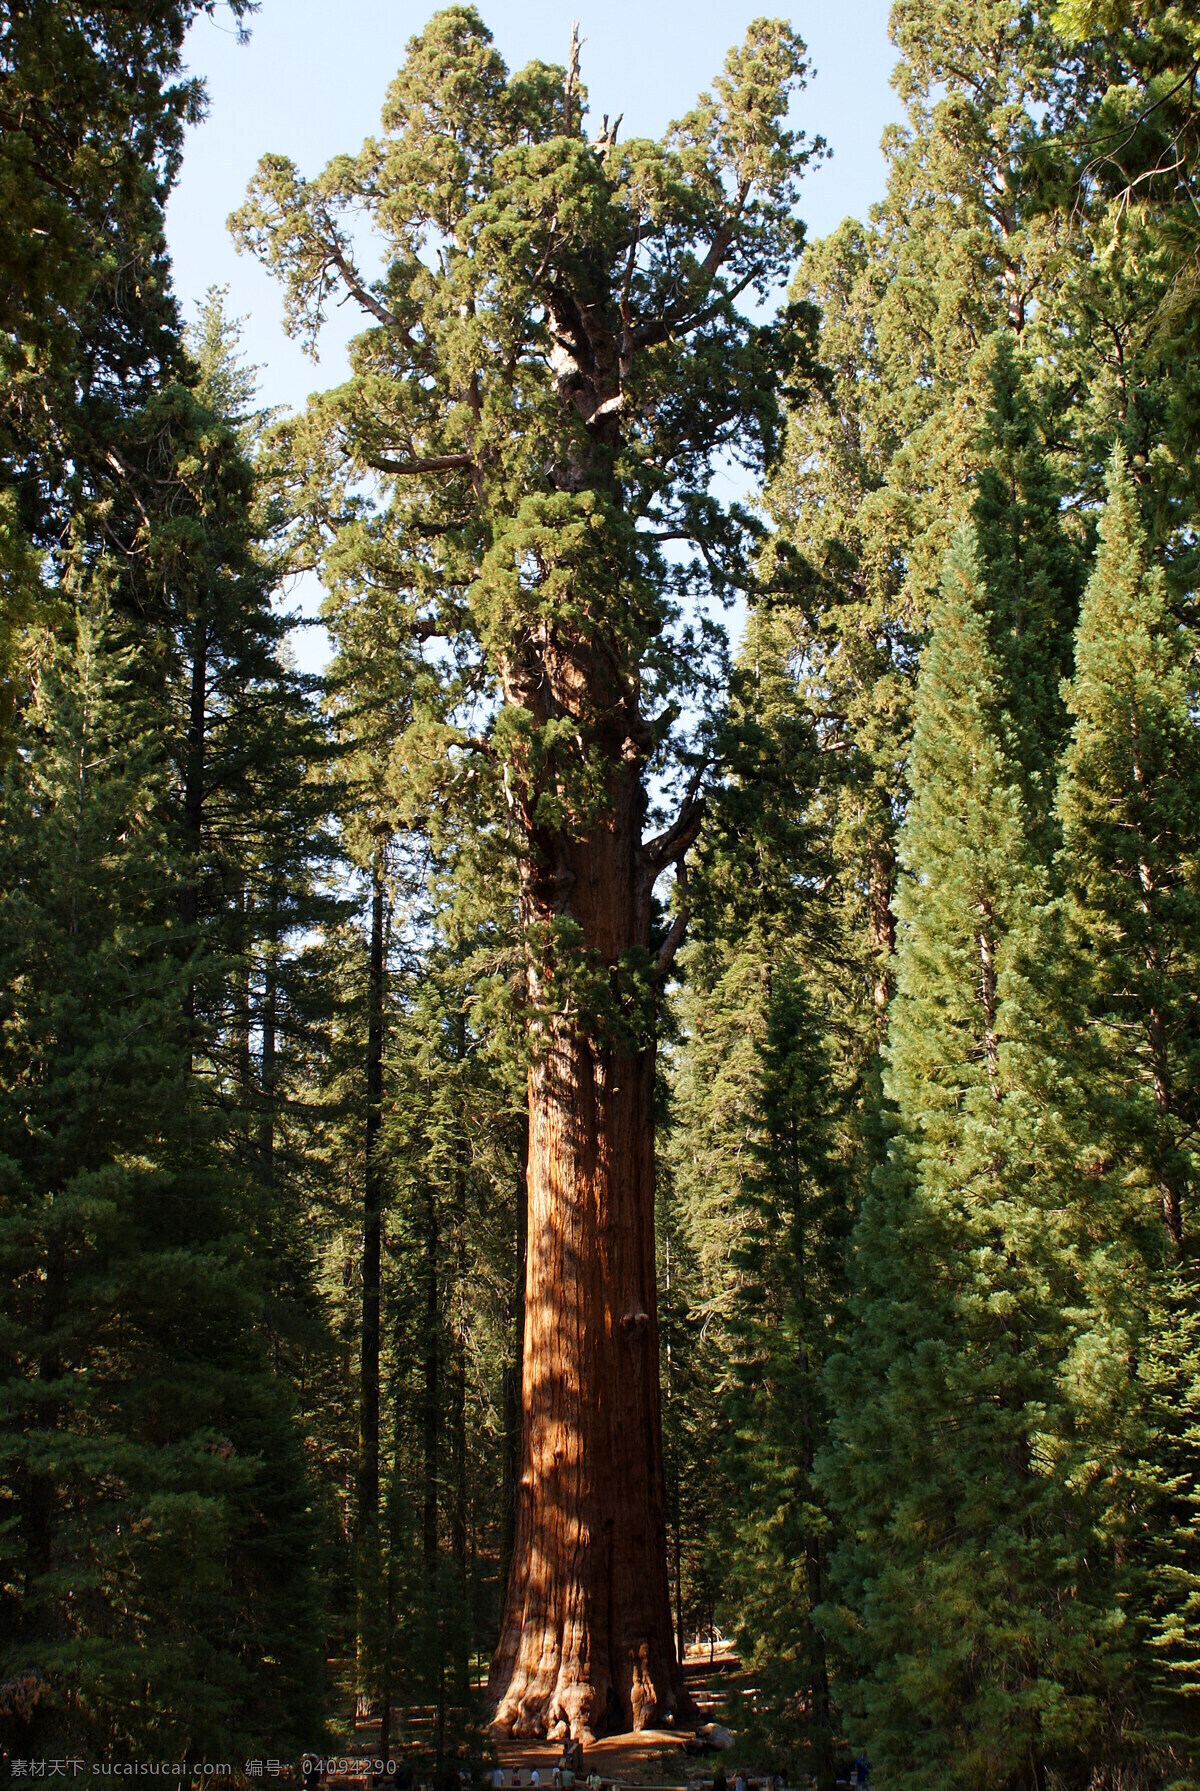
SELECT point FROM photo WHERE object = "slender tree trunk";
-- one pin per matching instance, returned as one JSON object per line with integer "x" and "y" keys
{"x": 587, "y": 1642}
{"x": 512, "y": 1371}
{"x": 385, "y": 1689}
{"x": 439, "y": 1744}
{"x": 458, "y": 1386}
{"x": 676, "y": 1475}
{"x": 431, "y": 1392}
{"x": 821, "y": 1714}
{"x": 270, "y": 1042}
{"x": 367, "y": 1480}
{"x": 679, "y": 1643}
{"x": 241, "y": 992}
{"x": 193, "y": 799}
{"x": 818, "y": 1683}
{"x": 822, "y": 1720}
{"x": 41, "y": 1497}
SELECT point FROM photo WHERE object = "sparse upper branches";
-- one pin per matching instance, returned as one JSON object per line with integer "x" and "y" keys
{"x": 554, "y": 356}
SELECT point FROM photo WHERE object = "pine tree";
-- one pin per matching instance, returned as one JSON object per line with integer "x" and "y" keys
{"x": 1129, "y": 155}
{"x": 838, "y": 574}
{"x": 790, "y": 1262}
{"x": 755, "y": 1213}
{"x": 1031, "y": 566}
{"x": 1129, "y": 803}
{"x": 951, "y": 1473}
{"x": 93, "y": 108}
{"x": 158, "y": 1535}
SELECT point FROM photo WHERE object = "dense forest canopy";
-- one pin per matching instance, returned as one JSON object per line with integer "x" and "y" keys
{"x": 554, "y": 1139}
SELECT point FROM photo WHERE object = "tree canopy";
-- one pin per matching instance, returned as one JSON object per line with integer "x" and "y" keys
{"x": 585, "y": 1131}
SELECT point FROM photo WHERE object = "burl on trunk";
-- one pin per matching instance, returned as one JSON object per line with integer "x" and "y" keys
{"x": 587, "y": 1642}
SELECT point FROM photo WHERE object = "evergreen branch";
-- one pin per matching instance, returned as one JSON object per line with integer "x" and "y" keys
{"x": 649, "y": 335}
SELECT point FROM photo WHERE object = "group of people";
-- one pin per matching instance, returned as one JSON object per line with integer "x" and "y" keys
{"x": 740, "y": 1782}
{"x": 563, "y": 1778}
{"x": 565, "y": 1775}
{"x": 861, "y": 1778}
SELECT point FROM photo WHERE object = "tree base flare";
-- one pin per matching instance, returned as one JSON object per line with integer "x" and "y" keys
{"x": 556, "y": 1701}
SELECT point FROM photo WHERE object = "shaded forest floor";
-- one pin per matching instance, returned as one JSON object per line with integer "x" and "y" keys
{"x": 647, "y": 1757}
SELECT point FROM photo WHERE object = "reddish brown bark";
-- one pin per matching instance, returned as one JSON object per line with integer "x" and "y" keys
{"x": 880, "y": 891}
{"x": 587, "y": 1642}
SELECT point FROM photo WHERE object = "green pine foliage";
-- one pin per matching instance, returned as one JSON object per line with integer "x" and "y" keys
{"x": 157, "y": 1515}
{"x": 961, "y": 1547}
{"x": 1032, "y": 567}
{"x": 1164, "y": 1593}
{"x": 1129, "y": 804}
{"x": 790, "y": 1261}
{"x": 930, "y": 1061}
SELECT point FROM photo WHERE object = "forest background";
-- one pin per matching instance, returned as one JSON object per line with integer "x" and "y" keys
{"x": 929, "y": 1059}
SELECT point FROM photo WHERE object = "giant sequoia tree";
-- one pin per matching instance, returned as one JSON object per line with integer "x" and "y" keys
{"x": 554, "y": 356}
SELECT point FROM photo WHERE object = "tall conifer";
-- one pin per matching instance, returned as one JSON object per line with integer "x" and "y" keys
{"x": 959, "y": 1543}
{"x": 157, "y": 1534}
{"x": 1129, "y": 803}
{"x": 790, "y": 1264}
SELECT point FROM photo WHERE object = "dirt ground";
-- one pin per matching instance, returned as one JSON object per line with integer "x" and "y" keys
{"x": 644, "y": 1757}
{"x": 648, "y": 1757}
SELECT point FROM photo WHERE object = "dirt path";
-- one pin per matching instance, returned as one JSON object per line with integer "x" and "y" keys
{"x": 644, "y": 1757}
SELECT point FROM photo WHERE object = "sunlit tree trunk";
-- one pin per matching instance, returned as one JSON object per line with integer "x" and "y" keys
{"x": 587, "y": 1643}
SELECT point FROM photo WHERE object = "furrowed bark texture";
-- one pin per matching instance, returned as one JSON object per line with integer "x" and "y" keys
{"x": 587, "y": 1643}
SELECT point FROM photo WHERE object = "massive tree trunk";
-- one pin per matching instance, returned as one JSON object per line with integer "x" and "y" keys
{"x": 587, "y": 1640}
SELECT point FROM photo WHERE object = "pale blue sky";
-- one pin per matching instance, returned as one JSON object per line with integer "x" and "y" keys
{"x": 311, "y": 81}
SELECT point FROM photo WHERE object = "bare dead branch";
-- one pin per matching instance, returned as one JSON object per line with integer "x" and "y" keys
{"x": 670, "y": 845}
{"x": 678, "y": 927}
{"x": 359, "y": 292}
{"x": 429, "y": 463}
